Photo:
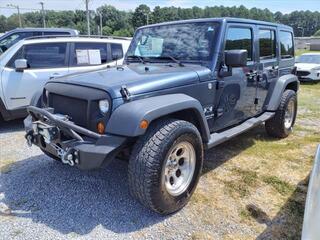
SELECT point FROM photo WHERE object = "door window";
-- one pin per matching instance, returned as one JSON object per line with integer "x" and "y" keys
{"x": 286, "y": 44}
{"x": 12, "y": 39}
{"x": 267, "y": 44}
{"x": 116, "y": 51}
{"x": 240, "y": 38}
{"x": 87, "y": 53}
{"x": 48, "y": 55}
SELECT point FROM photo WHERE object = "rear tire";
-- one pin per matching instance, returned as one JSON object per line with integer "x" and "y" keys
{"x": 165, "y": 165}
{"x": 281, "y": 124}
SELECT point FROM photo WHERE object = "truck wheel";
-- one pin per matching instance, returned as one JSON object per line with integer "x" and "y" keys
{"x": 280, "y": 126}
{"x": 165, "y": 165}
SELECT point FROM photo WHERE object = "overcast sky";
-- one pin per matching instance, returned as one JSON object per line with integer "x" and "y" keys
{"x": 284, "y": 6}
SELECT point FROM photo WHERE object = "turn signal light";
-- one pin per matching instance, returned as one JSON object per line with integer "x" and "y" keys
{"x": 144, "y": 124}
{"x": 101, "y": 127}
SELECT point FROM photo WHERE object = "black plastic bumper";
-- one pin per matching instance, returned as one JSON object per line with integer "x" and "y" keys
{"x": 74, "y": 145}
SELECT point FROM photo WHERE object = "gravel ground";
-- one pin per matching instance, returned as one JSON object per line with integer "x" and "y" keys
{"x": 43, "y": 199}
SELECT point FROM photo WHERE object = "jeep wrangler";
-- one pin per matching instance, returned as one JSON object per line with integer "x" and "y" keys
{"x": 184, "y": 87}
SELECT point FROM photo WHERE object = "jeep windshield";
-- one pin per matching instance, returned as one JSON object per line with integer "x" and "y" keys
{"x": 186, "y": 42}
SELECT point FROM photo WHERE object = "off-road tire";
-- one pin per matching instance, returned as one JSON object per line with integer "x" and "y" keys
{"x": 275, "y": 126}
{"x": 148, "y": 159}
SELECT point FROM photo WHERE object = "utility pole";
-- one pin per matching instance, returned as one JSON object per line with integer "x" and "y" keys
{"x": 88, "y": 17}
{"x": 100, "y": 16}
{"x": 43, "y": 15}
{"x": 19, "y": 16}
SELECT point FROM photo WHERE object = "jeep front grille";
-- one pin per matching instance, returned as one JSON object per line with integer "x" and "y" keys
{"x": 75, "y": 108}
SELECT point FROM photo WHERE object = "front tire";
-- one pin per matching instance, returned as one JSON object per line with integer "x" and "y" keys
{"x": 165, "y": 165}
{"x": 281, "y": 124}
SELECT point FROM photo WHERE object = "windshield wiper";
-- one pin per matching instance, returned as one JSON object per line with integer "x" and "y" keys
{"x": 136, "y": 57}
{"x": 173, "y": 59}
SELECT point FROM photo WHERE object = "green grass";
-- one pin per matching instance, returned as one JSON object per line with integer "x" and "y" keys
{"x": 298, "y": 52}
{"x": 281, "y": 186}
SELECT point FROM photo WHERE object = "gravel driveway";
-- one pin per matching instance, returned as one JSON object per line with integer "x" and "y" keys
{"x": 43, "y": 199}
{"x": 245, "y": 192}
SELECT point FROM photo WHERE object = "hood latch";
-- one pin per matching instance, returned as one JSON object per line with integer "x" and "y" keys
{"x": 125, "y": 92}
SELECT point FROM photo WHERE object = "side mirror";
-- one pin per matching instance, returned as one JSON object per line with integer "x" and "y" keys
{"x": 236, "y": 58}
{"x": 20, "y": 65}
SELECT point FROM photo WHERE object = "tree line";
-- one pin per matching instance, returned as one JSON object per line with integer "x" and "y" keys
{"x": 123, "y": 23}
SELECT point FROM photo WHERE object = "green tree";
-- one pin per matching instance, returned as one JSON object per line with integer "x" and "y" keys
{"x": 141, "y": 15}
{"x": 317, "y": 33}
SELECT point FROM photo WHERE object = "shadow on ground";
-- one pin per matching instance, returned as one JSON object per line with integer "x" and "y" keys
{"x": 69, "y": 200}
{"x": 11, "y": 126}
{"x": 287, "y": 224}
{"x": 227, "y": 150}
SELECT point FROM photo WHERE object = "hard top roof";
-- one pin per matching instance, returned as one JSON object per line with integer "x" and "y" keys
{"x": 224, "y": 19}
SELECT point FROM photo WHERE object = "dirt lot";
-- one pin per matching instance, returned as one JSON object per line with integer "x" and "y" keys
{"x": 252, "y": 187}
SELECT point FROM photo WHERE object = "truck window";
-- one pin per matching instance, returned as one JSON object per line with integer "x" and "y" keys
{"x": 48, "y": 55}
{"x": 12, "y": 39}
{"x": 286, "y": 44}
{"x": 85, "y": 54}
{"x": 56, "y": 33}
{"x": 116, "y": 51}
{"x": 240, "y": 38}
{"x": 267, "y": 44}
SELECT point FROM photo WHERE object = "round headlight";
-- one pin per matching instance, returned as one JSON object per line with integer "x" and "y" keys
{"x": 104, "y": 106}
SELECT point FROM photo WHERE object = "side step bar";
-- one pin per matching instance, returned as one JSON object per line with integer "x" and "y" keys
{"x": 217, "y": 138}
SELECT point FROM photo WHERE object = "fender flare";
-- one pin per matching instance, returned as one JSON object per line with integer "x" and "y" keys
{"x": 278, "y": 90}
{"x": 125, "y": 120}
{"x": 35, "y": 98}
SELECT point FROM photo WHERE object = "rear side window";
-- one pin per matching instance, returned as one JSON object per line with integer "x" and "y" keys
{"x": 56, "y": 33}
{"x": 48, "y": 55}
{"x": 87, "y": 53}
{"x": 267, "y": 44}
{"x": 116, "y": 51}
{"x": 239, "y": 38}
{"x": 286, "y": 44}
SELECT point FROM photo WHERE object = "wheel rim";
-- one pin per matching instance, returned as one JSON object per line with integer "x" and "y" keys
{"x": 289, "y": 115}
{"x": 179, "y": 168}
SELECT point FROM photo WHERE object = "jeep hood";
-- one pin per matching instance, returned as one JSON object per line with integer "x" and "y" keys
{"x": 138, "y": 78}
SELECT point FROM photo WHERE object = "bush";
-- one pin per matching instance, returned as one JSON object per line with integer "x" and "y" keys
{"x": 317, "y": 33}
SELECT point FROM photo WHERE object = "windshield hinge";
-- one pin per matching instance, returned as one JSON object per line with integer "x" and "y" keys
{"x": 125, "y": 93}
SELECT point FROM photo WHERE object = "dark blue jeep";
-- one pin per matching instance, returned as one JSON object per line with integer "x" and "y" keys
{"x": 185, "y": 86}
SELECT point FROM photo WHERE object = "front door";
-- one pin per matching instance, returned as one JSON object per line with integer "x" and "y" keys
{"x": 236, "y": 96}
{"x": 45, "y": 61}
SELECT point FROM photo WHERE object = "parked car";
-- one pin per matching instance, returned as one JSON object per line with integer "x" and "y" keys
{"x": 308, "y": 67}
{"x": 10, "y": 38}
{"x": 311, "y": 230}
{"x": 28, "y": 65}
{"x": 185, "y": 86}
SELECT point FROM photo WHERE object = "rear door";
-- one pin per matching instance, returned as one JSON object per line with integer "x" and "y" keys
{"x": 87, "y": 56}
{"x": 268, "y": 69}
{"x": 238, "y": 91}
{"x": 45, "y": 61}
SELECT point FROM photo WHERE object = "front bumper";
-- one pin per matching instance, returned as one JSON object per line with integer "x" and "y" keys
{"x": 73, "y": 144}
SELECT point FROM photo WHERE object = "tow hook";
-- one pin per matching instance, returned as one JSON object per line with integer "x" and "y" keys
{"x": 70, "y": 157}
{"x": 29, "y": 138}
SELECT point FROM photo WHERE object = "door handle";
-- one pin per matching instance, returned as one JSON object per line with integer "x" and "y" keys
{"x": 54, "y": 75}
